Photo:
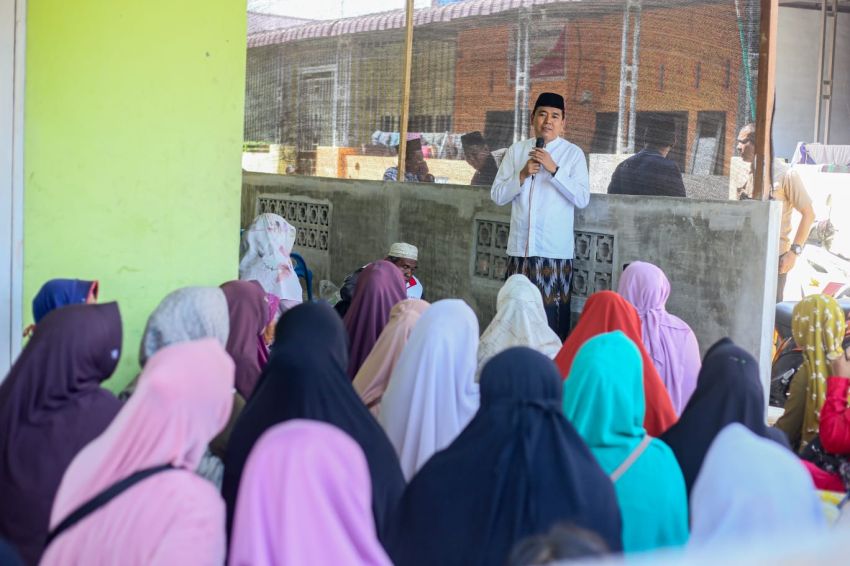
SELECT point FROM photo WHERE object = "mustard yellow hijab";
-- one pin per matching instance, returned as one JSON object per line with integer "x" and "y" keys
{"x": 818, "y": 329}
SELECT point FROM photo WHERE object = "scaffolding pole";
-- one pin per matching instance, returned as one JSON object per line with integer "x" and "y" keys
{"x": 405, "y": 93}
{"x": 819, "y": 90}
{"x": 522, "y": 82}
{"x": 634, "y": 79}
{"x": 828, "y": 99}
{"x": 628, "y": 78}
{"x": 621, "y": 104}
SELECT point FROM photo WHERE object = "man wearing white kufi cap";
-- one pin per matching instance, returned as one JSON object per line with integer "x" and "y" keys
{"x": 402, "y": 255}
{"x": 405, "y": 257}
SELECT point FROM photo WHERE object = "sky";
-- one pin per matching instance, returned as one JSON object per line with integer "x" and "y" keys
{"x": 329, "y": 9}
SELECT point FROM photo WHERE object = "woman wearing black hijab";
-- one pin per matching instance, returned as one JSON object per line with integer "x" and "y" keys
{"x": 517, "y": 469}
{"x": 728, "y": 391}
{"x": 51, "y": 406}
{"x": 306, "y": 379}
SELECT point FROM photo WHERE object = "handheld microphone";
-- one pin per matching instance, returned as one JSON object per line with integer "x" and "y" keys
{"x": 538, "y": 144}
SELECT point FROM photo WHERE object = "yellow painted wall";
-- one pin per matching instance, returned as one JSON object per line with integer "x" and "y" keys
{"x": 133, "y": 136}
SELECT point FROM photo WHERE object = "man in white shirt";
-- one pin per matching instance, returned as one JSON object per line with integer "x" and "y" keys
{"x": 402, "y": 255}
{"x": 544, "y": 185}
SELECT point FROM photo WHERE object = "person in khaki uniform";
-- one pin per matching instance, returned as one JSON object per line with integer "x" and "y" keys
{"x": 791, "y": 191}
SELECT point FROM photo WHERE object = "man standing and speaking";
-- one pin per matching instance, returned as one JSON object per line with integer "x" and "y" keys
{"x": 544, "y": 180}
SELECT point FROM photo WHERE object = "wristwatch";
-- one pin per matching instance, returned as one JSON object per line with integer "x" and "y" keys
{"x": 797, "y": 249}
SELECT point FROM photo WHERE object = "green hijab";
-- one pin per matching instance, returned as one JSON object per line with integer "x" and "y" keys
{"x": 604, "y": 400}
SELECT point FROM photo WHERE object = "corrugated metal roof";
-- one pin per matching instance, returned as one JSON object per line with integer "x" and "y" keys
{"x": 394, "y": 20}
{"x": 260, "y": 23}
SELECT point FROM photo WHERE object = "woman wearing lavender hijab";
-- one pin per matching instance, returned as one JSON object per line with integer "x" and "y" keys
{"x": 305, "y": 498}
{"x": 668, "y": 339}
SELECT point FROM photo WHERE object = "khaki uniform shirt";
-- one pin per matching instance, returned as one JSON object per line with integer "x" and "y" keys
{"x": 791, "y": 191}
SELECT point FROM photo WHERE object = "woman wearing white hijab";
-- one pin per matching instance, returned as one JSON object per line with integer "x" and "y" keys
{"x": 432, "y": 394}
{"x": 752, "y": 488}
{"x": 520, "y": 321}
{"x": 266, "y": 248}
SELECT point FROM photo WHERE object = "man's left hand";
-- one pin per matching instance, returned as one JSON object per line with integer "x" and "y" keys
{"x": 787, "y": 261}
{"x": 545, "y": 160}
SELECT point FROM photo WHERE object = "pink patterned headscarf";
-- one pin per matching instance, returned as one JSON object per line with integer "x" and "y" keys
{"x": 183, "y": 400}
{"x": 669, "y": 341}
{"x": 305, "y": 498}
{"x": 266, "y": 257}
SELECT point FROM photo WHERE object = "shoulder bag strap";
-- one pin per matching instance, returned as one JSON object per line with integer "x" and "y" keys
{"x": 631, "y": 459}
{"x": 102, "y": 499}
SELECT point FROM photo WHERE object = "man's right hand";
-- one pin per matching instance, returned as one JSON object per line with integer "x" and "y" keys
{"x": 531, "y": 168}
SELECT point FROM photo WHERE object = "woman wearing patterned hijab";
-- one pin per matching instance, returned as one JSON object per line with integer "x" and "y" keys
{"x": 817, "y": 325}
{"x": 266, "y": 248}
{"x": 520, "y": 321}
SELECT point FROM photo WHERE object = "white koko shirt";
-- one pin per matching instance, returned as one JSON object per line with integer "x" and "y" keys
{"x": 542, "y": 216}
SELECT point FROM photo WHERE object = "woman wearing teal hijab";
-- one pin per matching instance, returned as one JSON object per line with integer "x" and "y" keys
{"x": 603, "y": 399}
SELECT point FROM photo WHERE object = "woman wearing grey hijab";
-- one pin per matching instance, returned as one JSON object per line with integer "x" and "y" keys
{"x": 190, "y": 313}
{"x": 187, "y": 314}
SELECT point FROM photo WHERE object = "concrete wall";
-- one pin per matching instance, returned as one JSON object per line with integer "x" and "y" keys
{"x": 133, "y": 133}
{"x": 797, "y": 51}
{"x": 720, "y": 256}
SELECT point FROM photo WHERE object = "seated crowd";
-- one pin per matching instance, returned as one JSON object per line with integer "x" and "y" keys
{"x": 261, "y": 431}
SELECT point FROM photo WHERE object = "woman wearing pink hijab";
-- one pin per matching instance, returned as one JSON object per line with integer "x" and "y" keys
{"x": 174, "y": 516}
{"x": 669, "y": 341}
{"x": 374, "y": 375}
{"x": 305, "y": 498}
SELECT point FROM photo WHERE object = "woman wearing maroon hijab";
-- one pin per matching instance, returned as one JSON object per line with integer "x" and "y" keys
{"x": 379, "y": 288}
{"x": 247, "y": 306}
{"x": 51, "y": 406}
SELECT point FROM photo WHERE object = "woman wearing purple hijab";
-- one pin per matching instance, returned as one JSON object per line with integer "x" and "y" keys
{"x": 51, "y": 406}
{"x": 247, "y": 306}
{"x": 669, "y": 341}
{"x": 379, "y": 287}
